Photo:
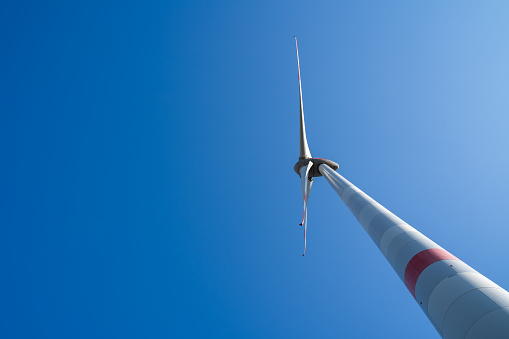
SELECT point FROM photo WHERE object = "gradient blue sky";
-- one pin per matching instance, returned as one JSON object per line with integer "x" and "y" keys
{"x": 147, "y": 162}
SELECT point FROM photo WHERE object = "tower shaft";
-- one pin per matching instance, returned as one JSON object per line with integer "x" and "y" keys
{"x": 459, "y": 301}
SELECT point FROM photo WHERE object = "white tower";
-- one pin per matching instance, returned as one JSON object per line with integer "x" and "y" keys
{"x": 459, "y": 301}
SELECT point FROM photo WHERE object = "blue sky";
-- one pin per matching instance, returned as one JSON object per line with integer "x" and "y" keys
{"x": 148, "y": 149}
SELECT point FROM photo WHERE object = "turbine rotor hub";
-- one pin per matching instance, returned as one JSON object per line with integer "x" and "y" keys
{"x": 314, "y": 172}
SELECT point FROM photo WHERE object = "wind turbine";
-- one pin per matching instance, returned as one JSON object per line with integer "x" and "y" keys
{"x": 458, "y": 301}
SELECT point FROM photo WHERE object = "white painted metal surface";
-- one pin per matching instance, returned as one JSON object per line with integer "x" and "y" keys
{"x": 460, "y": 302}
{"x": 464, "y": 312}
{"x": 493, "y": 325}
{"x": 407, "y": 252}
{"x": 306, "y": 190}
{"x": 304, "y": 148}
{"x": 434, "y": 274}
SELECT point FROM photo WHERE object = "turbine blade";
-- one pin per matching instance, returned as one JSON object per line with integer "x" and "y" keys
{"x": 304, "y": 148}
{"x": 306, "y": 183}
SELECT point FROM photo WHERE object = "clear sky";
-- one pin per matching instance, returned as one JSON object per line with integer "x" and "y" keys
{"x": 148, "y": 147}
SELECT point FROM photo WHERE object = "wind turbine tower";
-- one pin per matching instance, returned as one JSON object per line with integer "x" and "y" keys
{"x": 458, "y": 301}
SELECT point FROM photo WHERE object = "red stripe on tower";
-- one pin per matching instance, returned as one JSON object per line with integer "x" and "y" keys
{"x": 420, "y": 262}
